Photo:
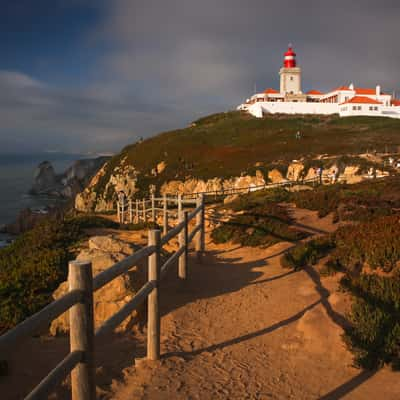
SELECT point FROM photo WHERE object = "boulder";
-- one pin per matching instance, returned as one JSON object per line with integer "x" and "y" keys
{"x": 311, "y": 173}
{"x": 161, "y": 167}
{"x": 103, "y": 252}
{"x": 109, "y": 244}
{"x": 275, "y": 176}
{"x": 295, "y": 171}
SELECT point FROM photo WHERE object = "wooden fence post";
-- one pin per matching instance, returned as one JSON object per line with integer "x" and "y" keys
{"x": 137, "y": 218}
{"x": 165, "y": 215}
{"x": 183, "y": 241}
{"x": 123, "y": 211}
{"x": 153, "y": 321}
{"x": 144, "y": 210}
{"x": 82, "y": 331}
{"x": 153, "y": 211}
{"x": 197, "y": 243}
{"x": 179, "y": 205}
{"x": 118, "y": 212}
{"x": 202, "y": 230}
{"x": 130, "y": 211}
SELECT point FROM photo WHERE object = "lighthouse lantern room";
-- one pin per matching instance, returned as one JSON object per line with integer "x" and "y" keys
{"x": 290, "y": 75}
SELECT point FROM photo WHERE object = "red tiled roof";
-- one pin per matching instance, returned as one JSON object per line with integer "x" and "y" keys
{"x": 362, "y": 100}
{"x": 314, "y": 92}
{"x": 340, "y": 88}
{"x": 364, "y": 91}
{"x": 396, "y": 102}
{"x": 271, "y": 91}
{"x": 361, "y": 91}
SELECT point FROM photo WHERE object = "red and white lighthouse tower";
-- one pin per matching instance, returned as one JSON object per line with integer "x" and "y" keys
{"x": 291, "y": 76}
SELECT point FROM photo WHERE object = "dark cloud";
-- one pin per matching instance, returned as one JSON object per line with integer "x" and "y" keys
{"x": 165, "y": 63}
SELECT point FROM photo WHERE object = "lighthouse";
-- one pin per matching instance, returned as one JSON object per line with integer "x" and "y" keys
{"x": 290, "y": 75}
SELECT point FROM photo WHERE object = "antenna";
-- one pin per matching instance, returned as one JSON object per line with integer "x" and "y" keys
{"x": 255, "y": 88}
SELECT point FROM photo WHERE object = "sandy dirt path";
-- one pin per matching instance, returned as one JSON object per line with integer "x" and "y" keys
{"x": 242, "y": 327}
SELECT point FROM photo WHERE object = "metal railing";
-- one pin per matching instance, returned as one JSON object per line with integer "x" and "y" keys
{"x": 79, "y": 301}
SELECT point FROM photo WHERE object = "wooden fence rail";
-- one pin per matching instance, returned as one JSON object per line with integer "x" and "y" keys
{"x": 79, "y": 301}
{"x": 128, "y": 213}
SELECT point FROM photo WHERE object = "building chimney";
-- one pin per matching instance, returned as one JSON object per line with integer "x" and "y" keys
{"x": 351, "y": 86}
{"x": 378, "y": 90}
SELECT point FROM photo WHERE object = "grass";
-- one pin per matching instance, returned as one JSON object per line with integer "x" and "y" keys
{"x": 36, "y": 263}
{"x": 229, "y": 144}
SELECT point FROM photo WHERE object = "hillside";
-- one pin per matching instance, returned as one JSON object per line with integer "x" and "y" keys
{"x": 234, "y": 144}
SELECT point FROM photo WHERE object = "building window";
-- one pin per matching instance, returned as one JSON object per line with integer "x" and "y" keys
{"x": 371, "y": 108}
{"x": 376, "y": 108}
{"x": 359, "y": 108}
{"x": 291, "y": 78}
{"x": 354, "y": 108}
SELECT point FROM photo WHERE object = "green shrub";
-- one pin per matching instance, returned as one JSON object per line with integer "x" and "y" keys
{"x": 374, "y": 335}
{"x": 307, "y": 253}
{"x": 32, "y": 267}
{"x": 376, "y": 243}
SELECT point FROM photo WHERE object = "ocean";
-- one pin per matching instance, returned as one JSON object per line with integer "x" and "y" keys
{"x": 16, "y": 178}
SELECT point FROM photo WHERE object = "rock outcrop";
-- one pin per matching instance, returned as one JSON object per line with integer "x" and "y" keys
{"x": 216, "y": 184}
{"x": 98, "y": 197}
{"x": 104, "y": 251}
{"x": 122, "y": 175}
{"x": 69, "y": 183}
{"x": 295, "y": 171}
{"x": 44, "y": 179}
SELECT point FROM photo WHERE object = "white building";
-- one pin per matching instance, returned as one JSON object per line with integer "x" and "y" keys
{"x": 345, "y": 100}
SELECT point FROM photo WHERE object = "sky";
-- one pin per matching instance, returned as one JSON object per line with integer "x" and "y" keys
{"x": 91, "y": 76}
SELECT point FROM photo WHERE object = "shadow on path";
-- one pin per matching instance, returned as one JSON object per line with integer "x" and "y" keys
{"x": 324, "y": 293}
{"x": 273, "y": 278}
{"x": 348, "y": 386}
{"x": 243, "y": 338}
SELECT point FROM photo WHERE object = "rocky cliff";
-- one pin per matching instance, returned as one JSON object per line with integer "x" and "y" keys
{"x": 232, "y": 150}
{"x": 67, "y": 184}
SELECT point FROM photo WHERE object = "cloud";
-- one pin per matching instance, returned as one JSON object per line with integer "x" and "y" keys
{"x": 165, "y": 63}
{"x": 35, "y": 116}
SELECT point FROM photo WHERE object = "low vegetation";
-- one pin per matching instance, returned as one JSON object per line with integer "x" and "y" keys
{"x": 33, "y": 266}
{"x": 308, "y": 253}
{"x": 257, "y": 223}
{"x": 226, "y": 145}
{"x": 366, "y": 252}
{"x": 359, "y": 202}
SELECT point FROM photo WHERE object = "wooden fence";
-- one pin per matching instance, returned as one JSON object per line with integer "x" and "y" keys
{"x": 134, "y": 211}
{"x": 79, "y": 301}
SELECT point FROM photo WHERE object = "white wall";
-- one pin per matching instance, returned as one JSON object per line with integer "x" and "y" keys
{"x": 346, "y": 110}
{"x": 258, "y": 110}
{"x": 298, "y": 108}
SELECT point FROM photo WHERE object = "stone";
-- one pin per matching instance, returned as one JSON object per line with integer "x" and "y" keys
{"x": 295, "y": 171}
{"x": 109, "y": 244}
{"x": 231, "y": 198}
{"x": 104, "y": 252}
{"x": 275, "y": 176}
{"x": 161, "y": 167}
